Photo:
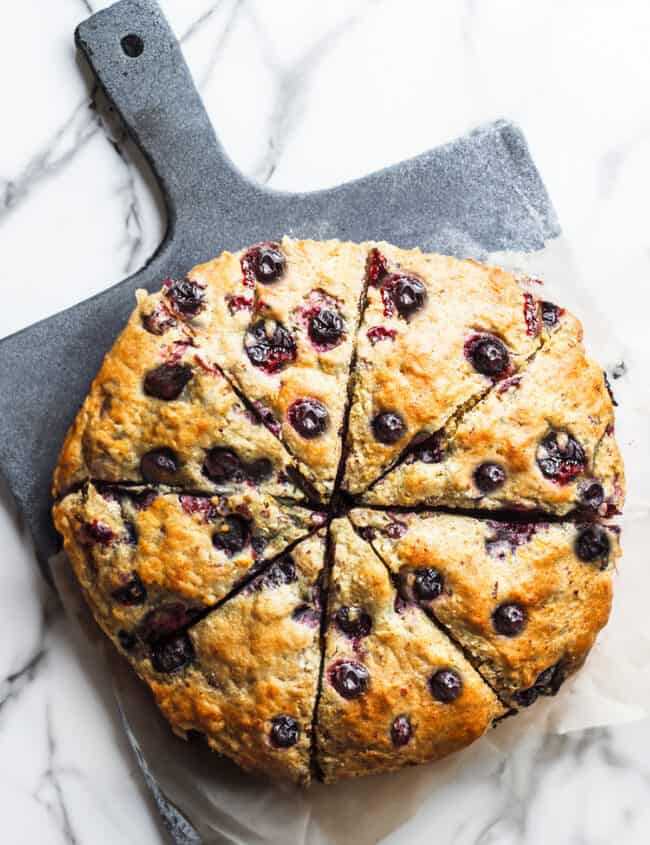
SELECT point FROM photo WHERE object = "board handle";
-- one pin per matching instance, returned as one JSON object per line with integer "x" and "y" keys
{"x": 138, "y": 61}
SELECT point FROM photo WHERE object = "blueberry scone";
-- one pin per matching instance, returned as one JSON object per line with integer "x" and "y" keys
{"x": 250, "y": 669}
{"x": 524, "y": 600}
{"x": 437, "y": 334}
{"x": 241, "y": 499}
{"x": 160, "y": 412}
{"x": 282, "y": 320}
{"x": 136, "y": 550}
{"x": 542, "y": 440}
{"x": 395, "y": 689}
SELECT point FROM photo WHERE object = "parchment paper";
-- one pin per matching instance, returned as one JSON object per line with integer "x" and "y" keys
{"x": 207, "y": 799}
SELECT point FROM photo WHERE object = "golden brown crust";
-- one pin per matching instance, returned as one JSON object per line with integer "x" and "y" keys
{"x": 423, "y": 372}
{"x": 559, "y": 392}
{"x": 401, "y": 653}
{"x": 487, "y": 564}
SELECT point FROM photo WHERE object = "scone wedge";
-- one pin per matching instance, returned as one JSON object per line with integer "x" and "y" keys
{"x": 251, "y": 675}
{"x": 437, "y": 334}
{"x": 282, "y": 319}
{"x": 395, "y": 689}
{"x": 525, "y": 601}
{"x": 543, "y": 439}
{"x": 147, "y": 558}
{"x": 160, "y": 412}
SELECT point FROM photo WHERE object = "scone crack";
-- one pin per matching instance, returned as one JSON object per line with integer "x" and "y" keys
{"x": 366, "y": 537}
{"x": 437, "y": 440}
{"x": 502, "y": 591}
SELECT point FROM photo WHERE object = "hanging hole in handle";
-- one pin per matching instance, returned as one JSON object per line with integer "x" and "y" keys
{"x": 132, "y": 45}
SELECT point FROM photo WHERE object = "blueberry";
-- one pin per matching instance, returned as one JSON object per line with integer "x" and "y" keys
{"x": 306, "y": 615}
{"x": 165, "y": 621}
{"x": 445, "y": 685}
{"x": 159, "y": 465}
{"x": 267, "y": 262}
{"x": 550, "y": 314}
{"x": 531, "y": 315}
{"x": 284, "y": 731}
{"x": 400, "y": 731}
{"x": 309, "y": 417}
{"x": 353, "y": 621}
{"x": 98, "y": 532}
{"x": 526, "y": 697}
{"x": 388, "y": 427}
{"x": 428, "y": 583}
{"x": 408, "y": 293}
{"x": 133, "y": 592}
{"x": 258, "y": 545}
{"x": 592, "y": 544}
{"x": 509, "y": 619}
{"x": 127, "y": 640}
{"x": 592, "y": 495}
{"x": 349, "y": 678}
{"x": 167, "y": 381}
{"x": 271, "y": 349}
{"x": 326, "y": 327}
{"x": 280, "y": 572}
{"x": 232, "y": 535}
{"x": 221, "y": 465}
{"x": 158, "y": 321}
{"x": 395, "y": 530}
{"x": 488, "y": 355}
{"x": 560, "y": 457}
{"x": 377, "y": 269}
{"x": 548, "y": 682}
{"x": 259, "y": 470}
{"x": 508, "y": 536}
{"x": 188, "y": 297}
{"x": 489, "y": 476}
{"x": 169, "y": 656}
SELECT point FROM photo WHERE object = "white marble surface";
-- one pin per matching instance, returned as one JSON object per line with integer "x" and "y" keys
{"x": 304, "y": 95}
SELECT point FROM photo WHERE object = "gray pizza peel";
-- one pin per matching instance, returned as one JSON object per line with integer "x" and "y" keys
{"x": 478, "y": 194}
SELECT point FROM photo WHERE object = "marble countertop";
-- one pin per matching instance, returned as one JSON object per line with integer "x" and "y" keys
{"x": 306, "y": 95}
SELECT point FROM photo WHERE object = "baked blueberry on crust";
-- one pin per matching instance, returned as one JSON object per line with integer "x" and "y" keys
{"x": 257, "y": 498}
{"x": 515, "y": 610}
{"x": 399, "y": 695}
{"x": 533, "y": 442}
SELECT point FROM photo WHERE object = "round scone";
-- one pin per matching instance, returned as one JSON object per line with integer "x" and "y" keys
{"x": 241, "y": 499}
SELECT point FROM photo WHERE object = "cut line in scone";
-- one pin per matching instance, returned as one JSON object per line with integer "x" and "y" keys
{"x": 525, "y": 601}
{"x": 160, "y": 412}
{"x": 141, "y": 551}
{"x": 437, "y": 334}
{"x": 249, "y": 672}
{"x": 395, "y": 690}
{"x": 542, "y": 440}
{"x": 281, "y": 321}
